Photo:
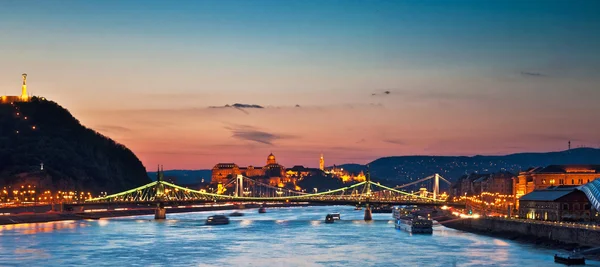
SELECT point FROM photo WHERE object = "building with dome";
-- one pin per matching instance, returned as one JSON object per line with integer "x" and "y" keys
{"x": 272, "y": 173}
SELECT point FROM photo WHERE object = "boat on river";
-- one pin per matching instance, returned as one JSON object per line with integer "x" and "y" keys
{"x": 262, "y": 210}
{"x": 217, "y": 220}
{"x": 406, "y": 220}
{"x": 329, "y": 219}
{"x": 236, "y": 214}
{"x": 336, "y": 215}
{"x": 572, "y": 258}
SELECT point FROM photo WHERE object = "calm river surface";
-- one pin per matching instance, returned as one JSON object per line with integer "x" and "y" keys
{"x": 281, "y": 237}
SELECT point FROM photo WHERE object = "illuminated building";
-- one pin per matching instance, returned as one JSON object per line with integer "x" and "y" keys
{"x": 556, "y": 203}
{"x": 346, "y": 176}
{"x": 553, "y": 175}
{"x": 223, "y": 172}
{"x": 300, "y": 172}
{"x": 272, "y": 173}
{"x": 24, "y": 97}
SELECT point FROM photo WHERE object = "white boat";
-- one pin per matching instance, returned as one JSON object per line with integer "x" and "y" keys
{"x": 412, "y": 223}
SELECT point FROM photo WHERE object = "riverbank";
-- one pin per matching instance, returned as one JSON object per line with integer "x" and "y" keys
{"x": 544, "y": 234}
{"x": 98, "y": 214}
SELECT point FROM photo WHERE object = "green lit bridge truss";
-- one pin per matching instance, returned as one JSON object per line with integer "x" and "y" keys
{"x": 248, "y": 190}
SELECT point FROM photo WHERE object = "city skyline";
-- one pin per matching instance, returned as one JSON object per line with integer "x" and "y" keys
{"x": 352, "y": 80}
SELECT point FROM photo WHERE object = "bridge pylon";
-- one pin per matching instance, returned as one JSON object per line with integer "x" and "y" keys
{"x": 436, "y": 186}
{"x": 367, "y": 192}
{"x": 161, "y": 212}
{"x": 239, "y": 186}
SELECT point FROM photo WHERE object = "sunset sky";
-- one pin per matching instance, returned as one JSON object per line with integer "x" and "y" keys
{"x": 354, "y": 80}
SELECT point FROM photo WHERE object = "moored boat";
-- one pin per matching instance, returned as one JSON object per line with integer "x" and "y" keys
{"x": 329, "y": 219}
{"x": 406, "y": 220}
{"x": 262, "y": 210}
{"x": 570, "y": 259}
{"x": 217, "y": 220}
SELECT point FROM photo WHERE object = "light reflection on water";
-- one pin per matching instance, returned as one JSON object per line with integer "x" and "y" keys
{"x": 281, "y": 237}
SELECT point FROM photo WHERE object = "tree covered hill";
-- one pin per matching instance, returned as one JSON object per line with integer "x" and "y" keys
{"x": 403, "y": 169}
{"x": 73, "y": 156}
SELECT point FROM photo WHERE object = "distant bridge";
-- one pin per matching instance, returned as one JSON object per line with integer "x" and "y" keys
{"x": 161, "y": 193}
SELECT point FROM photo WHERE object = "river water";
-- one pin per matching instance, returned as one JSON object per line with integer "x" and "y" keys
{"x": 281, "y": 237}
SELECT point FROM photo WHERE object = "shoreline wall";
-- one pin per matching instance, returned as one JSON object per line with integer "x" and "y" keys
{"x": 515, "y": 229}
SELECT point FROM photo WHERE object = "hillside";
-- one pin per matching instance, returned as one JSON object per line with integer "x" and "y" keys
{"x": 73, "y": 156}
{"x": 409, "y": 168}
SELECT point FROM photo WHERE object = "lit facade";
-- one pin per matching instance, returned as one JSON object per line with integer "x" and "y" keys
{"x": 272, "y": 173}
{"x": 557, "y": 203}
{"x": 554, "y": 175}
{"x": 346, "y": 176}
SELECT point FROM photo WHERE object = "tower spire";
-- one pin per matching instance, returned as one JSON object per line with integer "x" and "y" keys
{"x": 322, "y": 162}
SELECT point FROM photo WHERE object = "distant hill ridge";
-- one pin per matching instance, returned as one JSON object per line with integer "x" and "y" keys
{"x": 410, "y": 168}
{"x": 402, "y": 169}
{"x": 74, "y": 157}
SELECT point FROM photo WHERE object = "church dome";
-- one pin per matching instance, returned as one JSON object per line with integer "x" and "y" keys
{"x": 271, "y": 159}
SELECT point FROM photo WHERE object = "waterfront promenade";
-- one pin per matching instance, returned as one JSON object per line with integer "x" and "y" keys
{"x": 543, "y": 232}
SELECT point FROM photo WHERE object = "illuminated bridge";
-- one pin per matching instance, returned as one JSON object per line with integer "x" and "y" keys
{"x": 161, "y": 193}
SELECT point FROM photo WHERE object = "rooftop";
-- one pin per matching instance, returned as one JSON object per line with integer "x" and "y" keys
{"x": 566, "y": 169}
{"x": 549, "y": 194}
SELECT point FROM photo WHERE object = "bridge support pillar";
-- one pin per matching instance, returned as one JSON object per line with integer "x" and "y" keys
{"x": 368, "y": 214}
{"x": 160, "y": 213}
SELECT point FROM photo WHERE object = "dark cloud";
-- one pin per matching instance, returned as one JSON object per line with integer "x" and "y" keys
{"x": 394, "y": 141}
{"x": 386, "y": 92}
{"x": 238, "y": 105}
{"x": 249, "y": 133}
{"x": 111, "y": 129}
{"x": 361, "y": 141}
{"x": 532, "y": 74}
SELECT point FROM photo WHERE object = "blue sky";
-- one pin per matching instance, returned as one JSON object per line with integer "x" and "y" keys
{"x": 465, "y": 77}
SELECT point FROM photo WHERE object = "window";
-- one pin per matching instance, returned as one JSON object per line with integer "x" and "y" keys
{"x": 572, "y": 181}
{"x": 551, "y": 181}
{"x": 576, "y": 206}
{"x": 565, "y": 206}
{"x": 543, "y": 181}
{"x": 561, "y": 181}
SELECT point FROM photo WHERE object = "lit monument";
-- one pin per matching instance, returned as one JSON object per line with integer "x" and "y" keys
{"x": 24, "y": 96}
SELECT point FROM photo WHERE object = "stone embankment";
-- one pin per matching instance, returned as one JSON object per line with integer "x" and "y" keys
{"x": 551, "y": 234}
